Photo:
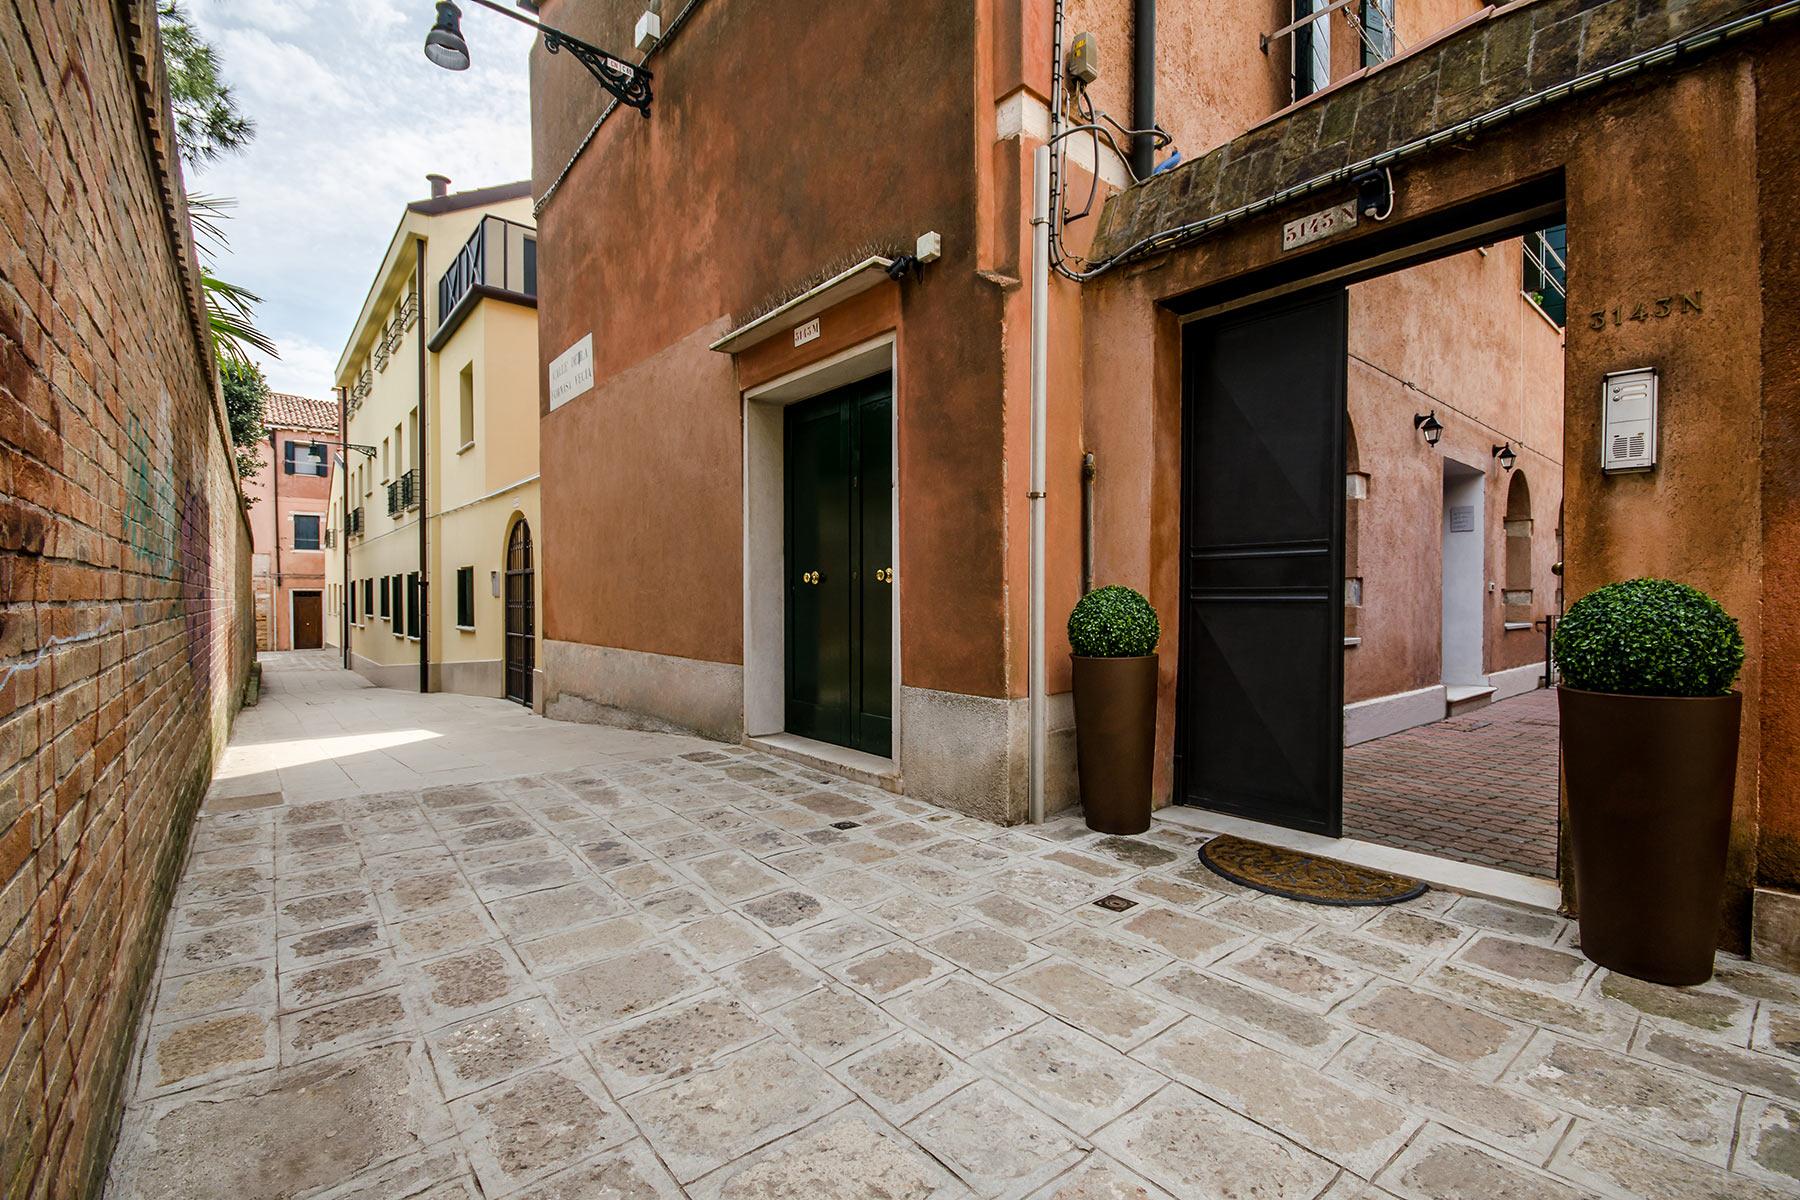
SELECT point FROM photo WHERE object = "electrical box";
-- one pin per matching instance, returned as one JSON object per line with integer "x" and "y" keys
{"x": 1628, "y": 421}
{"x": 649, "y": 30}
{"x": 929, "y": 247}
{"x": 1083, "y": 62}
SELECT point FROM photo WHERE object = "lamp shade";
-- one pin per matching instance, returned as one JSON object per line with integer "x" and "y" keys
{"x": 444, "y": 45}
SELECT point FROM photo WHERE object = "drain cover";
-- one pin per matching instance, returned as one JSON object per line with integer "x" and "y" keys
{"x": 1115, "y": 903}
{"x": 844, "y": 824}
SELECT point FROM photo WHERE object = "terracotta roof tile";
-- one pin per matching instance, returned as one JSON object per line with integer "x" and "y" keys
{"x": 285, "y": 410}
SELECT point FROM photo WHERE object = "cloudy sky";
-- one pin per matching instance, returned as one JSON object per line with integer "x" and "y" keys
{"x": 350, "y": 119}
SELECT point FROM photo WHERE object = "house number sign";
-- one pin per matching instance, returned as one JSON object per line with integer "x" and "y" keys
{"x": 1316, "y": 227}
{"x": 1659, "y": 309}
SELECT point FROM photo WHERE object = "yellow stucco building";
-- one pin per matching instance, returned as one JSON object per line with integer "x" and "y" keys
{"x": 432, "y": 581}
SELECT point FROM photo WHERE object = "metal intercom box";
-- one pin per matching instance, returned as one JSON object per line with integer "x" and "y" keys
{"x": 1628, "y": 421}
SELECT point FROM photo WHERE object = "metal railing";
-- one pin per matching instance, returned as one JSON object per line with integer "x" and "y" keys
{"x": 353, "y": 522}
{"x": 403, "y": 493}
{"x": 499, "y": 256}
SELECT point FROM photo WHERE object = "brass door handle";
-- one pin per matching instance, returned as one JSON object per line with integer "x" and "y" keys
{"x": 884, "y": 575}
{"x": 811, "y": 577}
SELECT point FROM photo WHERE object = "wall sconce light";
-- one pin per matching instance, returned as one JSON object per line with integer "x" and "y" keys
{"x": 1507, "y": 456}
{"x": 446, "y": 47}
{"x": 1430, "y": 426}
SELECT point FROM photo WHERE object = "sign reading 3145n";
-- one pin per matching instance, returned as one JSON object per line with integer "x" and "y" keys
{"x": 572, "y": 372}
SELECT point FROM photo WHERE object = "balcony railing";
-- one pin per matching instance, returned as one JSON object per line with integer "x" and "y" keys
{"x": 403, "y": 493}
{"x": 330, "y": 538}
{"x": 353, "y": 523}
{"x": 500, "y": 258}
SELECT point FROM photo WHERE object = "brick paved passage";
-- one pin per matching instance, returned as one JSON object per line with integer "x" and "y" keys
{"x": 683, "y": 969}
{"x": 1478, "y": 788}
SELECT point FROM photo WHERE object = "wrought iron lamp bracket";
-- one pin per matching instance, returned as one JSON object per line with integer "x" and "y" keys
{"x": 629, "y": 85}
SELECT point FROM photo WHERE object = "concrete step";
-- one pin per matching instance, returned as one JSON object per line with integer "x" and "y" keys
{"x": 1460, "y": 698}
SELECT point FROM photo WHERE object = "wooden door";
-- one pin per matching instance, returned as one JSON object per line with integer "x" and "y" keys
{"x": 521, "y": 614}
{"x": 309, "y": 620}
{"x": 839, "y": 558}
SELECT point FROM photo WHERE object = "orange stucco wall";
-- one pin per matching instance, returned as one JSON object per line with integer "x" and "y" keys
{"x": 1663, "y": 193}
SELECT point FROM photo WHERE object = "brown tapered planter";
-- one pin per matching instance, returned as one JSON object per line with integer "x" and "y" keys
{"x": 1649, "y": 784}
{"x": 1115, "y": 740}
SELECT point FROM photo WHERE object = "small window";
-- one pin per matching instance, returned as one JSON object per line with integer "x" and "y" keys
{"x": 466, "y": 381}
{"x": 387, "y": 471}
{"x": 353, "y": 617}
{"x": 1312, "y": 48}
{"x": 306, "y": 531}
{"x": 368, "y": 595}
{"x": 465, "y": 597}
{"x": 412, "y": 605}
{"x": 385, "y": 610}
{"x": 1377, "y": 31}
{"x": 303, "y": 458}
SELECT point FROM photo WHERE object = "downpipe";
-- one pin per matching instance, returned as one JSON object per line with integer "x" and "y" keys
{"x": 1040, "y": 362}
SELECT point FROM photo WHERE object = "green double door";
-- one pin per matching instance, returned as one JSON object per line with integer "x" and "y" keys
{"x": 840, "y": 566}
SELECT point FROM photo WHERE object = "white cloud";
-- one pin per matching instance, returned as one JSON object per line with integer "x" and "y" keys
{"x": 305, "y": 368}
{"x": 276, "y": 16}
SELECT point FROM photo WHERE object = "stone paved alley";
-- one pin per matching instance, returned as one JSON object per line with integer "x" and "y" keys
{"x": 439, "y": 947}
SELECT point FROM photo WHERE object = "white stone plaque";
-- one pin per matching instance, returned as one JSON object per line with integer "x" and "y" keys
{"x": 572, "y": 372}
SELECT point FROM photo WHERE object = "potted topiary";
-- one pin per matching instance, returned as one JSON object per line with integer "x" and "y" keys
{"x": 1649, "y": 743}
{"x": 1113, "y": 633}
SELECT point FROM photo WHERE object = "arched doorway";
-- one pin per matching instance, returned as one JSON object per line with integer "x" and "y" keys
{"x": 521, "y": 613}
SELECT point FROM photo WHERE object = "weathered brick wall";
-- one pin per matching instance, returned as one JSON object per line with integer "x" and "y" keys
{"x": 1502, "y": 55}
{"x": 124, "y": 568}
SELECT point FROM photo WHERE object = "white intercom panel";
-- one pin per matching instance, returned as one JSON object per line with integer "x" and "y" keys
{"x": 1628, "y": 421}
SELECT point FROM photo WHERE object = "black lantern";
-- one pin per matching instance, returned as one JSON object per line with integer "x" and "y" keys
{"x": 629, "y": 84}
{"x": 1507, "y": 456}
{"x": 1430, "y": 426}
{"x": 444, "y": 45}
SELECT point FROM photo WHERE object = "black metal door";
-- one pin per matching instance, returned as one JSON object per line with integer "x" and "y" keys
{"x": 1259, "y": 727}
{"x": 839, "y": 469}
{"x": 521, "y": 614}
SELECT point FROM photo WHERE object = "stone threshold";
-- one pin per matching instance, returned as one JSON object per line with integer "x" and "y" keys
{"x": 1475, "y": 880}
{"x": 850, "y": 764}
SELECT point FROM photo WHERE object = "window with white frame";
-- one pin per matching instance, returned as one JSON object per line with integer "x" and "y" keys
{"x": 306, "y": 531}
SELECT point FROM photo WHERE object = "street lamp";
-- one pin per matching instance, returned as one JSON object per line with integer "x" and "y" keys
{"x": 1507, "y": 456}
{"x": 446, "y": 47}
{"x": 1430, "y": 426}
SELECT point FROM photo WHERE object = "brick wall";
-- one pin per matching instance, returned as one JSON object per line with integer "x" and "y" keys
{"x": 124, "y": 568}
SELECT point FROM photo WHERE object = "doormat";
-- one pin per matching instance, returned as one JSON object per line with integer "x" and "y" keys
{"x": 1306, "y": 877}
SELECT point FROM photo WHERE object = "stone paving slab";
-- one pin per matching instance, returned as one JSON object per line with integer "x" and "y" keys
{"x": 658, "y": 969}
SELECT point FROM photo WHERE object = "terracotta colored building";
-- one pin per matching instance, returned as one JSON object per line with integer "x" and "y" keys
{"x": 290, "y": 497}
{"x": 789, "y": 506}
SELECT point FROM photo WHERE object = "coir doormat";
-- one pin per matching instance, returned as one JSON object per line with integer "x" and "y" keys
{"x": 1305, "y": 877}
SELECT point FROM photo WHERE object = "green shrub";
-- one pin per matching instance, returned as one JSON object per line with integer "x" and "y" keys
{"x": 1113, "y": 622}
{"x": 1649, "y": 637}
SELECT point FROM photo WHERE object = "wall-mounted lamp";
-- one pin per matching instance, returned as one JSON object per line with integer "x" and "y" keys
{"x": 1430, "y": 426}
{"x": 1507, "y": 456}
{"x": 446, "y": 47}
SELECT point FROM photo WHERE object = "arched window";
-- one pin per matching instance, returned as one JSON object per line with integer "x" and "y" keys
{"x": 1517, "y": 595}
{"x": 1356, "y": 493}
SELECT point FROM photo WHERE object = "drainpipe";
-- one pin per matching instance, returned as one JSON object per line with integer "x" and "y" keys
{"x": 275, "y": 516}
{"x": 343, "y": 454}
{"x": 1143, "y": 87}
{"x": 424, "y": 578}
{"x": 1040, "y": 361}
{"x": 1089, "y": 472}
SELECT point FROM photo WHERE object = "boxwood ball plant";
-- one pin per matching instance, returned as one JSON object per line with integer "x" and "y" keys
{"x": 1113, "y": 622}
{"x": 1649, "y": 637}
